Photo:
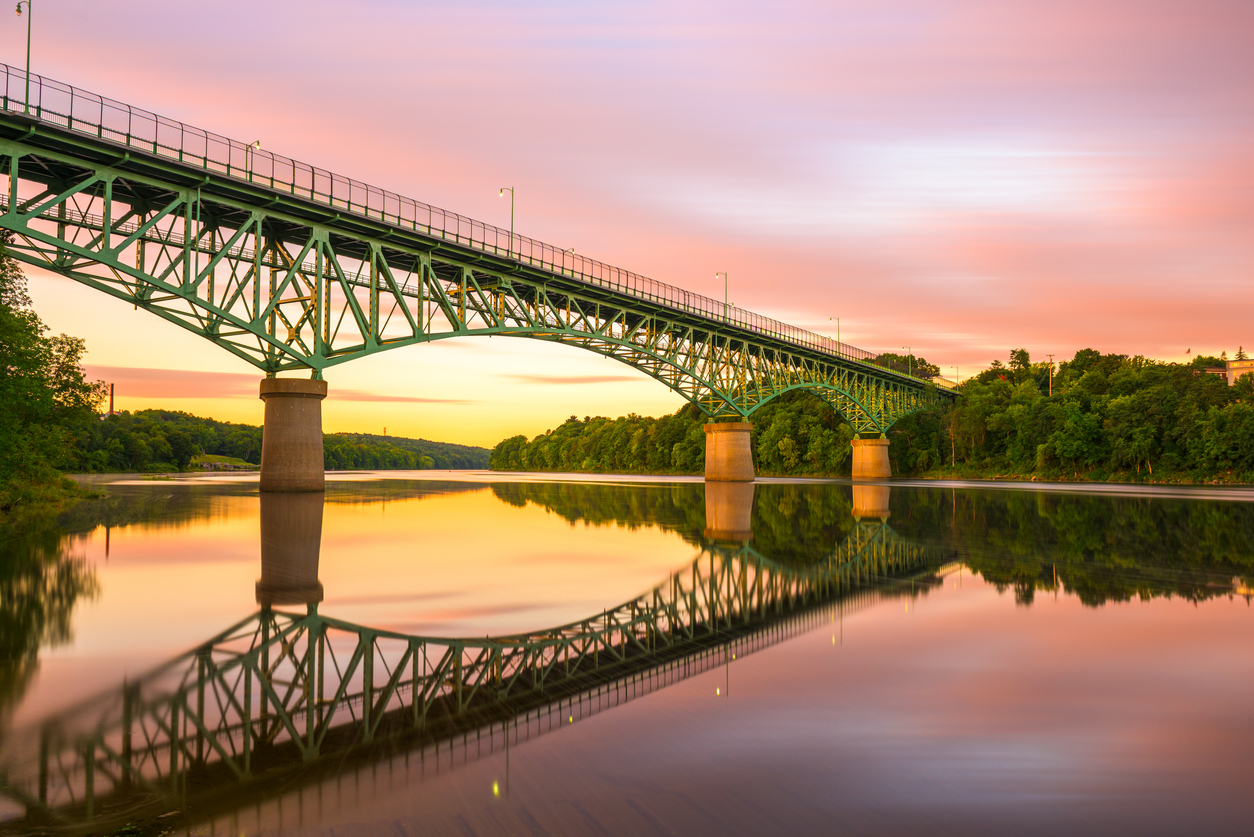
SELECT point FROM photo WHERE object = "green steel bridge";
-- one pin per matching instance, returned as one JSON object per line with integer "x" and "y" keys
{"x": 282, "y": 699}
{"x": 294, "y": 268}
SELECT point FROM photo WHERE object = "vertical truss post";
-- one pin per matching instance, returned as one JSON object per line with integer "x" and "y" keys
{"x": 89, "y": 765}
{"x": 200, "y": 708}
{"x": 43, "y": 765}
{"x": 247, "y": 721}
{"x": 367, "y": 686}
{"x": 311, "y": 677}
{"x": 174, "y": 742}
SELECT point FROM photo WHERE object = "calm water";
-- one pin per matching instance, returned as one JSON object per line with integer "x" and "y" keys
{"x": 950, "y": 658}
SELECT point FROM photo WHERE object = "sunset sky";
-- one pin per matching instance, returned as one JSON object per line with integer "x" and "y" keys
{"x": 962, "y": 178}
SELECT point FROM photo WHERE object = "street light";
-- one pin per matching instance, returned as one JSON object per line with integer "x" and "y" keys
{"x": 955, "y": 376}
{"x": 248, "y": 151}
{"x": 909, "y": 361}
{"x": 1051, "y": 375}
{"x": 29, "y": 15}
{"x": 509, "y": 252}
{"x": 837, "y": 319}
{"x": 724, "y": 275}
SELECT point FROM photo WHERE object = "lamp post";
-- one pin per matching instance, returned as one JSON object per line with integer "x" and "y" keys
{"x": 837, "y": 319}
{"x": 570, "y": 250}
{"x": 248, "y": 153}
{"x": 1051, "y": 375}
{"x": 723, "y": 273}
{"x": 29, "y": 15}
{"x": 956, "y": 376}
{"x": 509, "y": 250}
{"x": 909, "y": 361}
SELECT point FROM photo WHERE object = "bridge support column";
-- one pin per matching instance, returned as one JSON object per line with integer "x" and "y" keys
{"x": 870, "y": 459}
{"x": 728, "y": 456}
{"x": 291, "y": 441}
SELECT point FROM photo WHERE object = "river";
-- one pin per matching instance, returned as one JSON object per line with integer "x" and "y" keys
{"x": 475, "y": 653}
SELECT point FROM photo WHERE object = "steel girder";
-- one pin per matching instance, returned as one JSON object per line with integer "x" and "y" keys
{"x": 279, "y": 691}
{"x": 291, "y": 285}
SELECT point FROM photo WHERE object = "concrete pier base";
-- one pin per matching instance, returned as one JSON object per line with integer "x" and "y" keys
{"x": 870, "y": 459}
{"x": 291, "y": 441}
{"x": 729, "y": 511}
{"x": 728, "y": 456}
{"x": 871, "y": 501}
{"x": 291, "y": 538}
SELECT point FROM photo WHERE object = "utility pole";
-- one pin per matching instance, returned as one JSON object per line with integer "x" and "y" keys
{"x": 1051, "y": 375}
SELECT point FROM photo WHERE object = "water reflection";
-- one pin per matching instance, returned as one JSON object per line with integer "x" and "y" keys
{"x": 282, "y": 692}
{"x": 729, "y": 511}
{"x": 43, "y": 576}
{"x": 871, "y": 501}
{"x": 291, "y": 537}
{"x": 288, "y": 699}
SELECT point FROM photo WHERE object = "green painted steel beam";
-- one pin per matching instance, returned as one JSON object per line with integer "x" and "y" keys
{"x": 290, "y": 278}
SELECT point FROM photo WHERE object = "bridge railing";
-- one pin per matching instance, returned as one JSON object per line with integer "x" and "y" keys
{"x": 78, "y": 110}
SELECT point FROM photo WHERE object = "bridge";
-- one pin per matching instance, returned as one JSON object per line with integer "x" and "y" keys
{"x": 293, "y": 268}
{"x": 286, "y": 697}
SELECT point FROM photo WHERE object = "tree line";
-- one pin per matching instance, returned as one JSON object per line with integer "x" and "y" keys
{"x": 168, "y": 440}
{"x": 1096, "y": 416}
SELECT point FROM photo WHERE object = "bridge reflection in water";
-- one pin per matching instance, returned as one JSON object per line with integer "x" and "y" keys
{"x": 284, "y": 693}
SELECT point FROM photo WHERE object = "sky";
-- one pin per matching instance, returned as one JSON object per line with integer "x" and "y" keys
{"x": 959, "y": 178}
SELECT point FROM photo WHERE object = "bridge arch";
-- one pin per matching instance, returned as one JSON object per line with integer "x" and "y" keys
{"x": 294, "y": 269}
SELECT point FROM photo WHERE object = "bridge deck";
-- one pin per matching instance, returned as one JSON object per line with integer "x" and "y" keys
{"x": 131, "y": 139}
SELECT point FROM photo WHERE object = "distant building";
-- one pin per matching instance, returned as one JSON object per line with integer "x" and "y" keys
{"x": 1234, "y": 370}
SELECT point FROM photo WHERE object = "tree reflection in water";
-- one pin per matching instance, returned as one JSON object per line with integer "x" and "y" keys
{"x": 43, "y": 574}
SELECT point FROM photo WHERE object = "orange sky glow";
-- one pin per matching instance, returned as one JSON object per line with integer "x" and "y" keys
{"x": 960, "y": 178}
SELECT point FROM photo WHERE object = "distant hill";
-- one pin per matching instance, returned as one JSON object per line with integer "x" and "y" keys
{"x": 441, "y": 454}
{"x": 154, "y": 440}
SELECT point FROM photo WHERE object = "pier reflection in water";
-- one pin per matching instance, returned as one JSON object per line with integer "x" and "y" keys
{"x": 283, "y": 692}
{"x": 291, "y": 538}
{"x": 293, "y": 715}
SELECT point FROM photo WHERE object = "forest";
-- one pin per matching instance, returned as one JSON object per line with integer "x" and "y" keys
{"x": 1094, "y": 417}
{"x": 167, "y": 440}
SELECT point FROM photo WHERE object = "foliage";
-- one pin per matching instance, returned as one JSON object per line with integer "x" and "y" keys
{"x": 156, "y": 440}
{"x": 795, "y": 433}
{"x": 45, "y": 396}
{"x": 1110, "y": 415}
{"x": 908, "y": 363}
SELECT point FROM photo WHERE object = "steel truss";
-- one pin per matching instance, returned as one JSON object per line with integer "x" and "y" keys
{"x": 288, "y": 283}
{"x": 282, "y": 691}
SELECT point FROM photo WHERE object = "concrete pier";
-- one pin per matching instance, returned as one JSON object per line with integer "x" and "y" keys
{"x": 729, "y": 511}
{"x": 291, "y": 441}
{"x": 291, "y": 538}
{"x": 870, "y": 459}
{"x": 728, "y": 456}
